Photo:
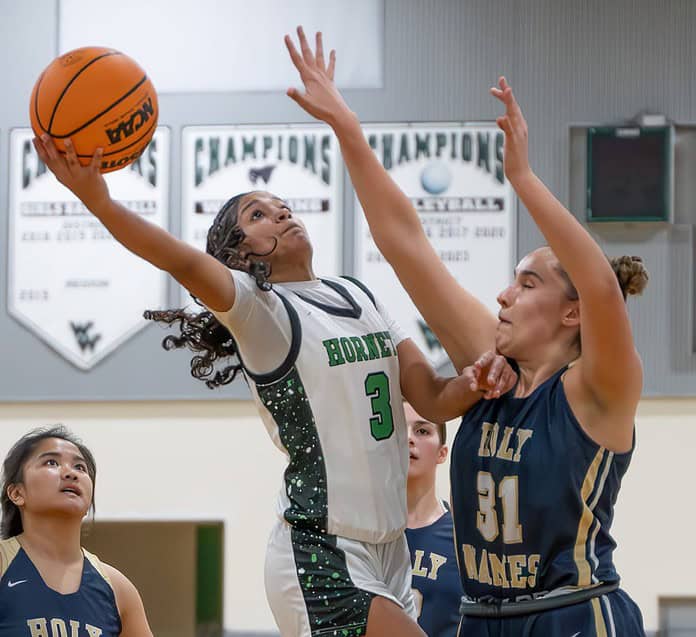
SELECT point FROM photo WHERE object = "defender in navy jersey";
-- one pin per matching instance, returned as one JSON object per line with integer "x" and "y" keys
{"x": 49, "y": 585}
{"x": 535, "y": 473}
{"x": 544, "y": 495}
{"x": 435, "y": 583}
{"x": 29, "y": 606}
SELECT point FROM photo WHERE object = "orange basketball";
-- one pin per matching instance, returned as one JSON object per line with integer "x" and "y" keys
{"x": 99, "y": 98}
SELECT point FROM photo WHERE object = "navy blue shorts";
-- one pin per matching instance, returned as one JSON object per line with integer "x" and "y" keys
{"x": 611, "y": 615}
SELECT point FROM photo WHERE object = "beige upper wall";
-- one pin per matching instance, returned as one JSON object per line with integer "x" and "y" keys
{"x": 214, "y": 460}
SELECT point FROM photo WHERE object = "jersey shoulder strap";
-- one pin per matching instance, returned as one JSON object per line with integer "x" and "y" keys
{"x": 98, "y": 566}
{"x": 362, "y": 286}
{"x": 8, "y": 551}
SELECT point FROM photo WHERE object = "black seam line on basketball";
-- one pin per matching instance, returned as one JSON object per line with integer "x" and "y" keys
{"x": 74, "y": 77}
{"x": 106, "y": 110}
{"x": 96, "y": 117}
{"x": 120, "y": 150}
{"x": 36, "y": 102}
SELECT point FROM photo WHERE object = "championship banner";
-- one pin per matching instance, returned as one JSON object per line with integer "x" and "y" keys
{"x": 69, "y": 281}
{"x": 299, "y": 164}
{"x": 453, "y": 174}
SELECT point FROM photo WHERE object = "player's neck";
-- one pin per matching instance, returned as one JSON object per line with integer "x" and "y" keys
{"x": 52, "y": 539}
{"x": 424, "y": 507}
{"x": 292, "y": 272}
{"x": 535, "y": 371}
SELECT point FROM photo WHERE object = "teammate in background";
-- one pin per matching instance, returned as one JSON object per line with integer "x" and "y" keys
{"x": 49, "y": 585}
{"x": 436, "y": 586}
{"x": 327, "y": 368}
{"x": 535, "y": 472}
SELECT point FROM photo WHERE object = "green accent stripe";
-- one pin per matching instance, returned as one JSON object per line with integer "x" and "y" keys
{"x": 305, "y": 475}
{"x": 335, "y": 606}
{"x": 209, "y": 561}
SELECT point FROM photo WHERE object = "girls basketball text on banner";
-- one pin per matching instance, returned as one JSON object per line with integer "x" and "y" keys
{"x": 70, "y": 282}
{"x": 453, "y": 174}
{"x": 299, "y": 164}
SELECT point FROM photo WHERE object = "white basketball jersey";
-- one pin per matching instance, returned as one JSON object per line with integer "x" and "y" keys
{"x": 334, "y": 407}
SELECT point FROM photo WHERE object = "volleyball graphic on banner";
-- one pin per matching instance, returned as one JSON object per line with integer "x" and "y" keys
{"x": 453, "y": 174}
{"x": 436, "y": 178}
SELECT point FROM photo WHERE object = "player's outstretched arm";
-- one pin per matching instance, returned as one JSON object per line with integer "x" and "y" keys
{"x": 463, "y": 325}
{"x": 605, "y": 329}
{"x": 440, "y": 399}
{"x": 205, "y": 277}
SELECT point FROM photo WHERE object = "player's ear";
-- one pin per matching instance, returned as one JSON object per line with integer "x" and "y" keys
{"x": 571, "y": 316}
{"x": 15, "y": 492}
{"x": 442, "y": 454}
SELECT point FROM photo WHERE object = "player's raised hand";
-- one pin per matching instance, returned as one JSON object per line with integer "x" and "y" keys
{"x": 513, "y": 124}
{"x": 86, "y": 182}
{"x": 491, "y": 374}
{"x": 321, "y": 99}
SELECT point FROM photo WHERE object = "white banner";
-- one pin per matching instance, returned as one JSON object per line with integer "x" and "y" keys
{"x": 299, "y": 164}
{"x": 69, "y": 281}
{"x": 453, "y": 174}
{"x": 224, "y": 46}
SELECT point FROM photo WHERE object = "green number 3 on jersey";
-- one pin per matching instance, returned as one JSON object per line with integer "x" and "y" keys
{"x": 377, "y": 389}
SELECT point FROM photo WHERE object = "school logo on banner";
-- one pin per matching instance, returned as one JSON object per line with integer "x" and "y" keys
{"x": 69, "y": 281}
{"x": 453, "y": 174}
{"x": 299, "y": 164}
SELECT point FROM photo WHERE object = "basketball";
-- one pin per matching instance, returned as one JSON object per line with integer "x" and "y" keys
{"x": 99, "y": 98}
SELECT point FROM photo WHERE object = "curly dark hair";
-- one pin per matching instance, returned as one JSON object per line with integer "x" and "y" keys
{"x": 13, "y": 472}
{"x": 201, "y": 332}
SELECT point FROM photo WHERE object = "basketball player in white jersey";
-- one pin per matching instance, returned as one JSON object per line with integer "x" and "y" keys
{"x": 327, "y": 368}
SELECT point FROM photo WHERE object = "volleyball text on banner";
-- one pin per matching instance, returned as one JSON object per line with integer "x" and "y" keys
{"x": 453, "y": 174}
{"x": 69, "y": 281}
{"x": 299, "y": 164}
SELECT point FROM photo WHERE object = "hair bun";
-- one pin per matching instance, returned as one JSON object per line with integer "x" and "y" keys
{"x": 631, "y": 273}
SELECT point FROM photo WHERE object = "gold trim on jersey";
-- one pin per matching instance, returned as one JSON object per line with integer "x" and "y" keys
{"x": 457, "y": 548}
{"x": 99, "y": 567}
{"x": 586, "y": 519}
{"x": 8, "y": 551}
{"x": 600, "y": 625}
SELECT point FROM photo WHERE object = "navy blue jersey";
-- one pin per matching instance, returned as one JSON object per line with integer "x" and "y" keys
{"x": 532, "y": 497}
{"x": 435, "y": 581}
{"x": 30, "y": 608}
